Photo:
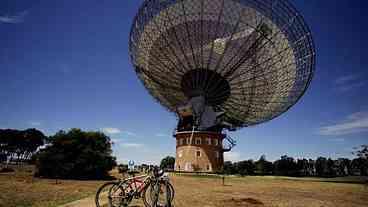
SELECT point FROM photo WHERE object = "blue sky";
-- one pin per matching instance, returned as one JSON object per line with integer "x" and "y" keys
{"x": 65, "y": 64}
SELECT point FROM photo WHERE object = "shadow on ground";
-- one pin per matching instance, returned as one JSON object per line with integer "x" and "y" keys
{"x": 242, "y": 202}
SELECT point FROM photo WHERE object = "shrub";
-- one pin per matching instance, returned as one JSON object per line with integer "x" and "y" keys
{"x": 76, "y": 155}
{"x": 6, "y": 170}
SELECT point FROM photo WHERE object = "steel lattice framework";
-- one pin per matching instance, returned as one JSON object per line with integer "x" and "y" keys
{"x": 252, "y": 59}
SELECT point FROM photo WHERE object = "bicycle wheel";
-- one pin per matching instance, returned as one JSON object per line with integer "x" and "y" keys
{"x": 102, "y": 194}
{"x": 119, "y": 195}
{"x": 157, "y": 194}
{"x": 144, "y": 197}
{"x": 170, "y": 189}
{"x": 172, "y": 192}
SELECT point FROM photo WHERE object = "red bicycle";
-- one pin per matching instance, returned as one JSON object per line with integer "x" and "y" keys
{"x": 155, "y": 190}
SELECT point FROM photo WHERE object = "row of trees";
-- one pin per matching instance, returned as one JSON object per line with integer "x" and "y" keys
{"x": 73, "y": 155}
{"x": 167, "y": 163}
{"x": 19, "y": 145}
{"x": 288, "y": 166}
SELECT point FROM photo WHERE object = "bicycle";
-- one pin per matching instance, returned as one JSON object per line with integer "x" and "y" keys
{"x": 155, "y": 190}
{"x": 158, "y": 186}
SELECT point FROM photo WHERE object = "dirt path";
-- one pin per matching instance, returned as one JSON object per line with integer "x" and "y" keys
{"x": 86, "y": 202}
{"x": 90, "y": 202}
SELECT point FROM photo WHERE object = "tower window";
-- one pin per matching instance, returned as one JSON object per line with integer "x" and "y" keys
{"x": 181, "y": 141}
{"x": 198, "y": 140}
{"x": 198, "y": 153}
{"x": 217, "y": 154}
{"x": 188, "y": 140}
{"x": 208, "y": 141}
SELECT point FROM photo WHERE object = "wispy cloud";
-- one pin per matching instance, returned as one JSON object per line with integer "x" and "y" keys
{"x": 114, "y": 130}
{"x": 129, "y": 133}
{"x": 350, "y": 87}
{"x": 346, "y": 78}
{"x": 354, "y": 123}
{"x": 13, "y": 19}
{"x": 111, "y": 130}
{"x": 161, "y": 135}
{"x": 349, "y": 82}
{"x": 232, "y": 156}
{"x": 337, "y": 140}
{"x": 122, "y": 143}
{"x": 132, "y": 145}
{"x": 34, "y": 123}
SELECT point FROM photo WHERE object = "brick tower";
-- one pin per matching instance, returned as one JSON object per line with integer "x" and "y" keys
{"x": 201, "y": 152}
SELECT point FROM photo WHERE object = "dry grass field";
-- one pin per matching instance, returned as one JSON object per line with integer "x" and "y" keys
{"x": 267, "y": 191}
{"x": 20, "y": 189}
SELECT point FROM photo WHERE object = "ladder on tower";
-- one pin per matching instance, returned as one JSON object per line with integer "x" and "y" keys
{"x": 230, "y": 143}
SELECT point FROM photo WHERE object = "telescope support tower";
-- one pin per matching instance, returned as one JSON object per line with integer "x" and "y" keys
{"x": 200, "y": 151}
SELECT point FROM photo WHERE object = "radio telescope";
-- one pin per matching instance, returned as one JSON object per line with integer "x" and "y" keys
{"x": 220, "y": 65}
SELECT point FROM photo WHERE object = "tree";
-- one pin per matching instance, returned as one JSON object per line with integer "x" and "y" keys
{"x": 330, "y": 168}
{"x": 321, "y": 166}
{"x": 246, "y": 167}
{"x": 168, "y": 163}
{"x": 33, "y": 139}
{"x": 311, "y": 169}
{"x": 76, "y": 155}
{"x": 343, "y": 167}
{"x": 302, "y": 167}
{"x": 20, "y": 145}
{"x": 228, "y": 168}
{"x": 9, "y": 142}
{"x": 286, "y": 166}
{"x": 2, "y": 157}
{"x": 362, "y": 152}
{"x": 361, "y": 163}
{"x": 263, "y": 166}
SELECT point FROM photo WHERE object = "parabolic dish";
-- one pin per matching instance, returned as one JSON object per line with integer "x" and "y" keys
{"x": 251, "y": 59}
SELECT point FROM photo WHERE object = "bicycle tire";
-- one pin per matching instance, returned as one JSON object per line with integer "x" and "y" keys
{"x": 172, "y": 190}
{"x": 144, "y": 191}
{"x": 170, "y": 194}
{"x": 101, "y": 189}
{"x": 124, "y": 199}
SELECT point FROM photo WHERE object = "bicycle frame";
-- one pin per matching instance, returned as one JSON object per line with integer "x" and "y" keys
{"x": 137, "y": 184}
